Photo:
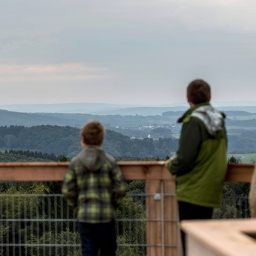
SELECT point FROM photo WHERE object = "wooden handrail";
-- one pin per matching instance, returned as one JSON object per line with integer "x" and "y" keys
{"x": 136, "y": 170}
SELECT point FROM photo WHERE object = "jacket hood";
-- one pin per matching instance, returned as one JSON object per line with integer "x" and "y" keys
{"x": 213, "y": 119}
{"x": 92, "y": 157}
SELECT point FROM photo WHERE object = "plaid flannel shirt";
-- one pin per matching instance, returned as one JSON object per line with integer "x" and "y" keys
{"x": 94, "y": 191}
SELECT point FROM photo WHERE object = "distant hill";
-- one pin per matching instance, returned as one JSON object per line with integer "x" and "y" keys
{"x": 237, "y": 113}
{"x": 92, "y": 108}
{"x": 65, "y": 141}
{"x": 143, "y": 111}
{"x": 116, "y": 109}
{"x": 125, "y": 124}
{"x": 8, "y": 118}
{"x": 251, "y": 109}
{"x": 84, "y": 108}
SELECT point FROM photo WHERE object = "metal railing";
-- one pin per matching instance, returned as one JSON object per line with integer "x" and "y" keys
{"x": 34, "y": 224}
{"x": 42, "y": 224}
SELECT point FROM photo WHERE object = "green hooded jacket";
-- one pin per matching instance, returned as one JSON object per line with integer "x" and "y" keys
{"x": 201, "y": 162}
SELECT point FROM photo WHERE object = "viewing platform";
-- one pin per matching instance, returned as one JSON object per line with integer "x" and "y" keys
{"x": 147, "y": 224}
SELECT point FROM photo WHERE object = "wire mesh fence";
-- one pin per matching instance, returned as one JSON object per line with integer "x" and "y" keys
{"x": 37, "y": 225}
{"x": 42, "y": 224}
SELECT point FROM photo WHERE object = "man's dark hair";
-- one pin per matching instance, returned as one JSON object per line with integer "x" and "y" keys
{"x": 93, "y": 133}
{"x": 198, "y": 91}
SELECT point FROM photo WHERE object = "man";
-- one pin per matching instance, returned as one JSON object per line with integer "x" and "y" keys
{"x": 201, "y": 161}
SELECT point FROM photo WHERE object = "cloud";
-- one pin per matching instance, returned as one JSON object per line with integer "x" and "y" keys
{"x": 224, "y": 15}
{"x": 62, "y": 72}
{"x": 159, "y": 45}
{"x": 38, "y": 18}
{"x": 196, "y": 15}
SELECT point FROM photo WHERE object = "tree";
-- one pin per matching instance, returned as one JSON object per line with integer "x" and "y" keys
{"x": 235, "y": 198}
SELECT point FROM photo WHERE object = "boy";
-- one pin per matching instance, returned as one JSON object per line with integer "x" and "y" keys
{"x": 201, "y": 162}
{"x": 94, "y": 186}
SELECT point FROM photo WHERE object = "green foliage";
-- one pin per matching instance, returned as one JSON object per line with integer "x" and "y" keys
{"x": 58, "y": 240}
{"x": 27, "y": 201}
{"x": 29, "y": 156}
{"x": 16, "y": 206}
{"x": 129, "y": 250}
{"x": 132, "y": 215}
{"x": 233, "y": 159}
{"x": 122, "y": 146}
{"x": 58, "y": 140}
{"x": 235, "y": 201}
{"x": 18, "y": 201}
{"x": 62, "y": 158}
{"x": 136, "y": 187}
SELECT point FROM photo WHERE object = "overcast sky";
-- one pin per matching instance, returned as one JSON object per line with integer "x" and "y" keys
{"x": 126, "y": 52}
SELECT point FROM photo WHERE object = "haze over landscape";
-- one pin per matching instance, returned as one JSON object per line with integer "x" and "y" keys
{"x": 137, "y": 52}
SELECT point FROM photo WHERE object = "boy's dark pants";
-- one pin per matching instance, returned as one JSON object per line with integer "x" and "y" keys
{"x": 98, "y": 239}
{"x": 189, "y": 211}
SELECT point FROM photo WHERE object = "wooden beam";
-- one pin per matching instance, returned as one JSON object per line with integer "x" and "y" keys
{"x": 240, "y": 172}
{"x": 55, "y": 171}
{"x": 155, "y": 170}
{"x": 32, "y": 171}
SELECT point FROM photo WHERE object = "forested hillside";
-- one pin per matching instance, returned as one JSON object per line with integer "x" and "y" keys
{"x": 59, "y": 140}
{"x": 29, "y": 156}
{"x": 65, "y": 140}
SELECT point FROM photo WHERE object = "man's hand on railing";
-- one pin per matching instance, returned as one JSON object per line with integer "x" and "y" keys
{"x": 168, "y": 163}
